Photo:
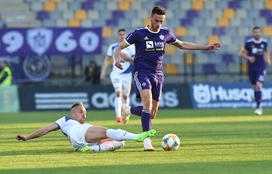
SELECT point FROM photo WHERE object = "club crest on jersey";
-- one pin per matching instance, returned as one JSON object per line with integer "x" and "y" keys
{"x": 161, "y": 37}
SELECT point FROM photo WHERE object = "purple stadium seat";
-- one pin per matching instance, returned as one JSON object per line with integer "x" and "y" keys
{"x": 87, "y": 5}
{"x": 265, "y": 13}
{"x": 42, "y": 15}
{"x": 111, "y": 22}
{"x": 234, "y": 4}
{"x": 161, "y": 3}
{"x": 269, "y": 20}
{"x": 117, "y": 14}
{"x": 219, "y": 31}
{"x": 185, "y": 22}
{"x": 209, "y": 68}
{"x": 192, "y": 14}
{"x": 227, "y": 58}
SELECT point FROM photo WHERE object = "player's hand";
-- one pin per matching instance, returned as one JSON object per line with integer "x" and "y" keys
{"x": 102, "y": 77}
{"x": 21, "y": 137}
{"x": 251, "y": 59}
{"x": 213, "y": 46}
{"x": 119, "y": 64}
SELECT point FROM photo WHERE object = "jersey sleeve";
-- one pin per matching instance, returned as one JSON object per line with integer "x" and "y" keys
{"x": 131, "y": 38}
{"x": 171, "y": 38}
{"x": 109, "y": 51}
{"x": 60, "y": 122}
{"x": 247, "y": 46}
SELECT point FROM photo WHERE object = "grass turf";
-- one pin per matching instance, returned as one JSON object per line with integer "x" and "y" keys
{"x": 212, "y": 141}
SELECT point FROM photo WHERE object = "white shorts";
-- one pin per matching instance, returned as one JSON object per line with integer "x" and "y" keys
{"x": 121, "y": 82}
{"x": 77, "y": 136}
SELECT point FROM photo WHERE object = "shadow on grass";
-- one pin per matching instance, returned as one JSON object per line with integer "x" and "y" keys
{"x": 233, "y": 167}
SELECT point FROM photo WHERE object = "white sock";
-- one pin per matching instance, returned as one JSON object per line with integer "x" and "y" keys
{"x": 120, "y": 135}
{"x": 108, "y": 146}
{"x": 117, "y": 104}
{"x": 147, "y": 141}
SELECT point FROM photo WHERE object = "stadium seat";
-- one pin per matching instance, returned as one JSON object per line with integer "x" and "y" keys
{"x": 268, "y": 4}
{"x": 107, "y": 32}
{"x": 124, "y": 5}
{"x": 49, "y": 6}
{"x": 229, "y": 13}
{"x": 224, "y": 22}
{"x": 209, "y": 68}
{"x": 81, "y": 14}
{"x": 267, "y": 31}
{"x": 181, "y": 31}
{"x": 244, "y": 68}
{"x": 171, "y": 69}
{"x": 198, "y": 5}
{"x": 74, "y": 23}
{"x": 213, "y": 38}
{"x": 170, "y": 49}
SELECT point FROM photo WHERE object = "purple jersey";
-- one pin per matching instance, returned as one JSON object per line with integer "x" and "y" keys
{"x": 150, "y": 48}
{"x": 256, "y": 48}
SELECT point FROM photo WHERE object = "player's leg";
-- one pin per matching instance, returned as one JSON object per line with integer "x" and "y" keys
{"x": 95, "y": 133}
{"x": 116, "y": 82}
{"x": 258, "y": 91}
{"x": 106, "y": 146}
{"x": 126, "y": 88}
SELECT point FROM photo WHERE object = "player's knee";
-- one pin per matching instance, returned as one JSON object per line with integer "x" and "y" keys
{"x": 117, "y": 93}
{"x": 125, "y": 97}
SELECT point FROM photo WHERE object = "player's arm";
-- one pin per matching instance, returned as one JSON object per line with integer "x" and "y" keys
{"x": 105, "y": 67}
{"x": 127, "y": 57}
{"x": 117, "y": 54}
{"x": 195, "y": 46}
{"x": 244, "y": 54}
{"x": 267, "y": 57}
{"x": 38, "y": 133}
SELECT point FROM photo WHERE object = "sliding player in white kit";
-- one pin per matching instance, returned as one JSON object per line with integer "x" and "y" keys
{"x": 85, "y": 137}
{"x": 121, "y": 78}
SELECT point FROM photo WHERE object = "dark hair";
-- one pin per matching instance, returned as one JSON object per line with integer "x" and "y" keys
{"x": 121, "y": 30}
{"x": 256, "y": 28}
{"x": 76, "y": 104}
{"x": 158, "y": 10}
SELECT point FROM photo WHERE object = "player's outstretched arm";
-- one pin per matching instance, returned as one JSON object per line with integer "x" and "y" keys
{"x": 105, "y": 67}
{"x": 117, "y": 55}
{"x": 38, "y": 133}
{"x": 195, "y": 46}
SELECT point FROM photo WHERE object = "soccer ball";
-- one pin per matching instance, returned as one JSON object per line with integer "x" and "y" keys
{"x": 170, "y": 142}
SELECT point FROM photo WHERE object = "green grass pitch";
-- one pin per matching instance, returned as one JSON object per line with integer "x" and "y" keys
{"x": 212, "y": 141}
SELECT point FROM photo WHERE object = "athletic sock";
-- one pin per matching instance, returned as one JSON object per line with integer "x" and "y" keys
{"x": 258, "y": 97}
{"x": 117, "y": 104}
{"x": 107, "y": 146}
{"x": 120, "y": 135}
{"x": 136, "y": 110}
{"x": 146, "y": 122}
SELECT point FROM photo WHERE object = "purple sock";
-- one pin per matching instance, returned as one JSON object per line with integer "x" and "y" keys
{"x": 136, "y": 110}
{"x": 146, "y": 122}
{"x": 258, "y": 97}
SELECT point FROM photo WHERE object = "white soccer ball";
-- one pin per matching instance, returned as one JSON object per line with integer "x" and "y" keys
{"x": 170, "y": 142}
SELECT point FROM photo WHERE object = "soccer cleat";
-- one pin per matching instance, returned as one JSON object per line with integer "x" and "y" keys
{"x": 148, "y": 147}
{"x": 258, "y": 111}
{"x": 146, "y": 134}
{"x": 118, "y": 119}
{"x": 85, "y": 149}
{"x": 125, "y": 112}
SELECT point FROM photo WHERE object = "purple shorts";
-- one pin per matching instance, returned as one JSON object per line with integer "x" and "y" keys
{"x": 145, "y": 80}
{"x": 256, "y": 76}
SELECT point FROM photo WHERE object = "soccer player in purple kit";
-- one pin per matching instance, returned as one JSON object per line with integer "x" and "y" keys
{"x": 148, "y": 66}
{"x": 256, "y": 52}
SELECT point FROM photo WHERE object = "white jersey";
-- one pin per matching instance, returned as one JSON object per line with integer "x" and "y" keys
{"x": 66, "y": 124}
{"x": 127, "y": 67}
{"x": 74, "y": 131}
